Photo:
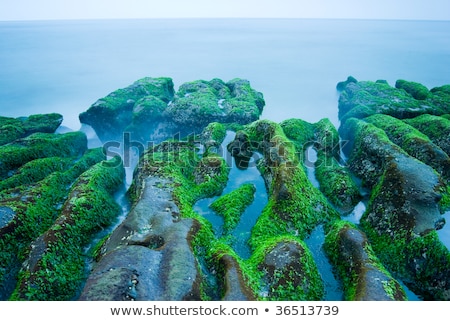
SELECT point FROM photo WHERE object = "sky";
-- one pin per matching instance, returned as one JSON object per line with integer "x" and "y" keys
{"x": 126, "y": 9}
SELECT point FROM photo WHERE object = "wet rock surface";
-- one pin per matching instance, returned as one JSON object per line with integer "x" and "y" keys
{"x": 152, "y": 246}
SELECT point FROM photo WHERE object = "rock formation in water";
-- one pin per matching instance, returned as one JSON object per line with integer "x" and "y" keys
{"x": 151, "y": 111}
{"x": 55, "y": 194}
{"x": 408, "y": 174}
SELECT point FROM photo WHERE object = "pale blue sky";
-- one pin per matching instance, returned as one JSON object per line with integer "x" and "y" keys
{"x": 100, "y": 9}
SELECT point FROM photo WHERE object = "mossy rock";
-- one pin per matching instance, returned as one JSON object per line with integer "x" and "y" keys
{"x": 300, "y": 132}
{"x": 418, "y": 91}
{"x": 40, "y": 145}
{"x": 36, "y": 207}
{"x": 362, "y": 274}
{"x": 111, "y": 115}
{"x": 201, "y": 102}
{"x": 295, "y": 205}
{"x": 15, "y": 128}
{"x": 366, "y": 98}
{"x": 436, "y": 128}
{"x": 336, "y": 183}
{"x": 55, "y": 266}
{"x": 414, "y": 142}
{"x": 287, "y": 270}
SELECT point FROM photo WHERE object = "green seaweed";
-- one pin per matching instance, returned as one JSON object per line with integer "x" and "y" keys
{"x": 233, "y": 204}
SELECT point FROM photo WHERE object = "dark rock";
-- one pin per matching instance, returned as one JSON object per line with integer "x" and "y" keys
{"x": 289, "y": 269}
{"x": 235, "y": 287}
{"x": 152, "y": 231}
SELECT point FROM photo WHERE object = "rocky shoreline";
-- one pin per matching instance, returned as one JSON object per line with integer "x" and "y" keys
{"x": 56, "y": 194}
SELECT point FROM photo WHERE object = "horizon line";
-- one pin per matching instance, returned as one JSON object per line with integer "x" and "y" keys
{"x": 220, "y": 18}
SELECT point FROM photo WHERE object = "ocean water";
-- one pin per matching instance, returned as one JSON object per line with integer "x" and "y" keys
{"x": 65, "y": 66}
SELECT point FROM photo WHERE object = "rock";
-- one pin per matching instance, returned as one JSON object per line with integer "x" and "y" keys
{"x": 235, "y": 289}
{"x": 39, "y": 145}
{"x": 150, "y": 110}
{"x": 363, "y": 276}
{"x": 293, "y": 200}
{"x": 436, "y": 128}
{"x": 290, "y": 273}
{"x": 199, "y": 103}
{"x": 413, "y": 142}
{"x": 54, "y": 267}
{"x": 152, "y": 231}
{"x": 342, "y": 84}
{"x": 241, "y": 149}
{"x": 418, "y": 91}
{"x": 366, "y": 98}
{"x": 403, "y": 212}
{"x": 111, "y": 115}
{"x": 15, "y": 128}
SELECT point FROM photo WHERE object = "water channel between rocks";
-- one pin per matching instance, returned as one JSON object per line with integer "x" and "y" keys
{"x": 237, "y": 177}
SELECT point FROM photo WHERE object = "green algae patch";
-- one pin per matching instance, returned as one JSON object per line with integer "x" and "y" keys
{"x": 15, "y": 128}
{"x": 300, "y": 133}
{"x": 54, "y": 269}
{"x": 435, "y": 127}
{"x": 413, "y": 142}
{"x": 232, "y": 205}
{"x": 421, "y": 262}
{"x": 36, "y": 207}
{"x": 366, "y": 98}
{"x": 418, "y": 91}
{"x": 35, "y": 171}
{"x": 336, "y": 183}
{"x": 40, "y": 145}
{"x": 198, "y": 103}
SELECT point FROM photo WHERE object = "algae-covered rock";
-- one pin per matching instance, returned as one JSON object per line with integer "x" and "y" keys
{"x": 14, "y": 128}
{"x": 39, "y": 145}
{"x": 418, "y": 91}
{"x": 413, "y": 142}
{"x": 363, "y": 276}
{"x": 110, "y": 116}
{"x": 36, "y": 204}
{"x": 54, "y": 267}
{"x": 288, "y": 271}
{"x": 295, "y": 206}
{"x": 151, "y": 111}
{"x": 365, "y": 98}
{"x": 199, "y": 103}
{"x": 153, "y": 231}
{"x": 435, "y": 127}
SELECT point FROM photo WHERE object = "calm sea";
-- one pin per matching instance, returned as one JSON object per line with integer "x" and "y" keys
{"x": 65, "y": 66}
